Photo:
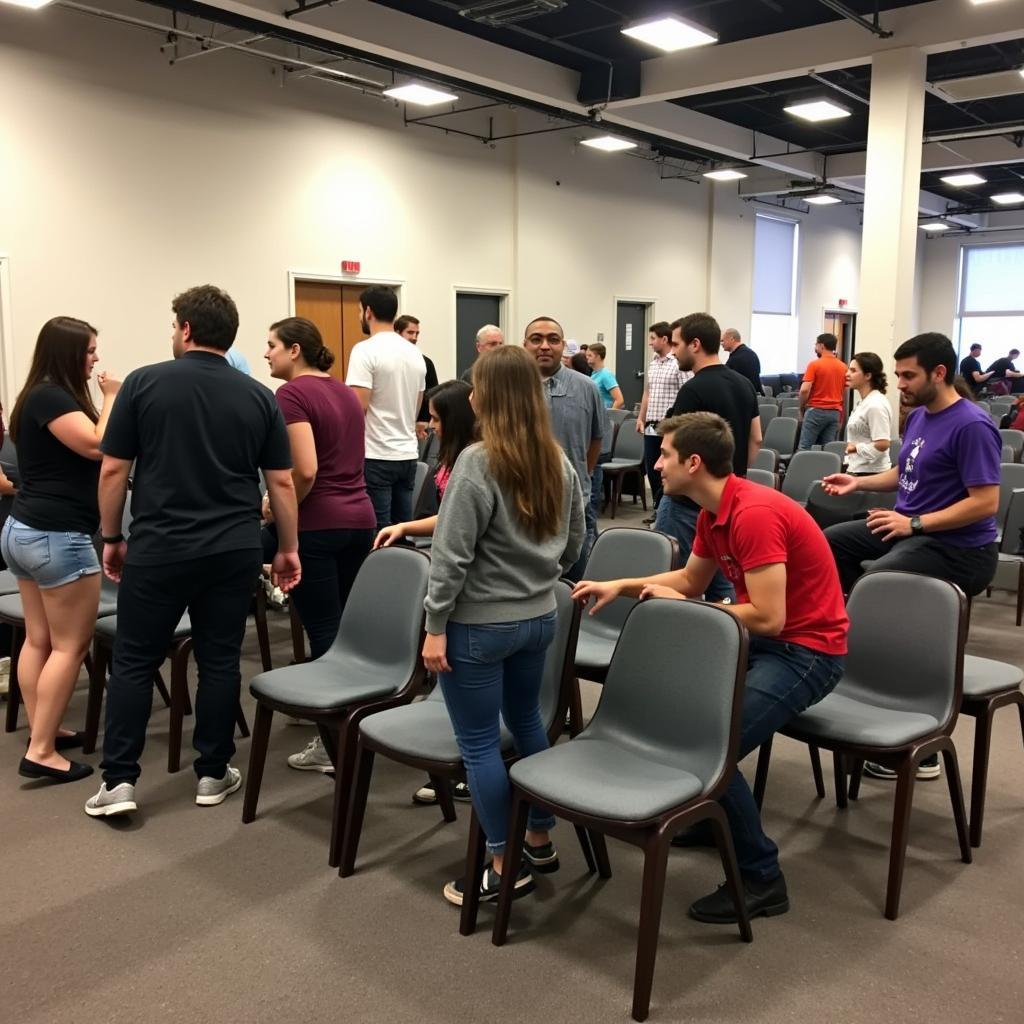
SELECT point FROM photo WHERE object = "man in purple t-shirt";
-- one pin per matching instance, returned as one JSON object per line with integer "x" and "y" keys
{"x": 944, "y": 522}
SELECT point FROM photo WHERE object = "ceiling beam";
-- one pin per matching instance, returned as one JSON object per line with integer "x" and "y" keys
{"x": 939, "y": 156}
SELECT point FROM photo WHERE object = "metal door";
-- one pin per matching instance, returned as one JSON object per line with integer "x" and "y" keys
{"x": 631, "y": 350}
{"x": 472, "y": 311}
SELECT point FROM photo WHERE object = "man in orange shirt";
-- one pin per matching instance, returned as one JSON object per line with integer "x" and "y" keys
{"x": 821, "y": 394}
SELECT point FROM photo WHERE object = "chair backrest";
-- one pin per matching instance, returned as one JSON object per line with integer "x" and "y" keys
{"x": 422, "y": 473}
{"x": 618, "y": 415}
{"x": 1013, "y": 523}
{"x": 382, "y": 625}
{"x": 768, "y": 413}
{"x": 835, "y": 447}
{"x": 906, "y": 644}
{"x": 766, "y": 458}
{"x": 1015, "y": 439}
{"x": 828, "y": 509}
{"x": 1007, "y": 455}
{"x": 763, "y": 476}
{"x": 1011, "y": 476}
{"x": 559, "y": 661}
{"x": 629, "y": 444}
{"x": 781, "y": 435}
{"x": 985, "y": 406}
{"x": 768, "y": 390}
{"x": 674, "y": 688}
{"x": 805, "y": 468}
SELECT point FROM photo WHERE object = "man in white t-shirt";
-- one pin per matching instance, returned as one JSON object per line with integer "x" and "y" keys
{"x": 388, "y": 375}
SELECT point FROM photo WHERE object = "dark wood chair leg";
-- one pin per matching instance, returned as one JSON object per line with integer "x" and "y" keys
{"x": 902, "y": 805}
{"x": 1020, "y": 592}
{"x": 819, "y": 779}
{"x": 356, "y": 812}
{"x": 344, "y": 775}
{"x": 600, "y": 847}
{"x": 575, "y": 708}
{"x": 94, "y": 705}
{"x": 13, "y": 687}
{"x": 513, "y": 857}
{"x": 856, "y": 774}
{"x": 979, "y": 777}
{"x": 764, "y": 756}
{"x": 158, "y": 682}
{"x": 652, "y": 894}
{"x": 956, "y": 798}
{"x": 262, "y": 630}
{"x": 257, "y": 759}
{"x": 616, "y": 493}
{"x": 474, "y": 873}
{"x": 587, "y": 849}
{"x": 243, "y": 725}
{"x": 298, "y": 636}
{"x": 727, "y": 854}
{"x": 444, "y": 798}
{"x": 179, "y": 697}
{"x": 839, "y": 774}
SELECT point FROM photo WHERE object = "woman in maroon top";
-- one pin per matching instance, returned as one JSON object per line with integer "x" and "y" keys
{"x": 336, "y": 521}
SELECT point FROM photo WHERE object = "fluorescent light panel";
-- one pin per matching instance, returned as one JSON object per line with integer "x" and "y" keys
{"x": 934, "y": 226}
{"x": 1006, "y": 198}
{"x": 609, "y": 144}
{"x": 726, "y": 174}
{"x": 818, "y": 110}
{"x": 963, "y": 180}
{"x": 32, "y": 5}
{"x": 822, "y": 200}
{"x": 420, "y": 95}
{"x": 670, "y": 34}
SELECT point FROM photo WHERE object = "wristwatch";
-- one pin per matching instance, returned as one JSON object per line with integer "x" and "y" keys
{"x": 916, "y": 526}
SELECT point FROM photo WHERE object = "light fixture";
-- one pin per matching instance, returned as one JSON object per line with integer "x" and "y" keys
{"x": 963, "y": 180}
{"x": 1006, "y": 198}
{"x": 726, "y": 174}
{"x": 821, "y": 200}
{"x": 32, "y": 5}
{"x": 670, "y": 33}
{"x": 818, "y": 110}
{"x": 609, "y": 143}
{"x": 420, "y": 95}
{"x": 934, "y": 225}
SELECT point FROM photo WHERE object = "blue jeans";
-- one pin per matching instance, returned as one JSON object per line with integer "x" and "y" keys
{"x": 497, "y": 669}
{"x": 820, "y": 427}
{"x": 783, "y": 680}
{"x": 679, "y": 520}
{"x": 389, "y": 485}
{"x": 50, "y": 558}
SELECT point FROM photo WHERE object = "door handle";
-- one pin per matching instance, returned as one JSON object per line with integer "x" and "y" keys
{"x": 638, "y": 374}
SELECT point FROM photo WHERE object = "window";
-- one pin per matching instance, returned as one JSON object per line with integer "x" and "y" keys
{"x": 990, "y": 310}
{"x": 773, "y": 327}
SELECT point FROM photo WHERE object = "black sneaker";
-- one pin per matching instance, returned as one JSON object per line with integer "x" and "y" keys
{"x": 460, "y": 791}
{"x": 764, "y": 899}
{"x": 697, "y": 836}
{"x": 426, "y": 794}
{"x": 490, "y": 885}
{"x": 543, "y": 858}
{"x": 927, "y": 769}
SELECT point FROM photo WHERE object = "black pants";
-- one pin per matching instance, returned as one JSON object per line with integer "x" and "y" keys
{"x": 971, "y": 569}
{"x": 217, "y": 591}
{"x": 652, "y": 452}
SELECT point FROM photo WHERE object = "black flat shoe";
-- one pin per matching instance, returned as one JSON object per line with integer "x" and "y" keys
{"x": 32, "y": 770}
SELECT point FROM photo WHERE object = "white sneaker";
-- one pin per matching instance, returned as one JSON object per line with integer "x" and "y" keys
{"x": 5, "y": 676}
{"x": 119, "y": 800}
{"x": 211, "y": 791}
{"x": 312, "y": 758}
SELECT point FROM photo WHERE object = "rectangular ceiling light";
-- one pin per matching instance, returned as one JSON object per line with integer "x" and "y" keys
{"x": 33, "y": 5}
{"x": 726, "y": 174}
{"x": 609, "y": 143}
{"x": 670, "y": 34}
{"x": 1006, "y": 198}
{"x": 818, "y": 110}
{"x": 963, "y": 180}
{"x": 934, "y": 226}
{"x": 822, "y": 200}
{"x": 420, "y": 95}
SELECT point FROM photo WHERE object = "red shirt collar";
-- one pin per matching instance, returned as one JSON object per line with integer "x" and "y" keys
{"x": 725, "y": 506}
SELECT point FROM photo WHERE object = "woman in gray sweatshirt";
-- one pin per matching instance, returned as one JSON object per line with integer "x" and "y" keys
{"x": 510, "y": 524}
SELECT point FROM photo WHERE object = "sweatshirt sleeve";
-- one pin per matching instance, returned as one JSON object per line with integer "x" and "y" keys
{"x": 577, "y": 525}
{"x": 464, "y": 515}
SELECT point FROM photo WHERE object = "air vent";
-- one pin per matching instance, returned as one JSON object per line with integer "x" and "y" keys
{"x": 498, "y": 13}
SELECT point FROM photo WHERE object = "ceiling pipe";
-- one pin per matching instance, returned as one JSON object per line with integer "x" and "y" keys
{"x": 872, "y": 26}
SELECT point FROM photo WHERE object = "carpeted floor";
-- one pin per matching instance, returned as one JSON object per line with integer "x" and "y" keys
{"x": 184, "y": 914}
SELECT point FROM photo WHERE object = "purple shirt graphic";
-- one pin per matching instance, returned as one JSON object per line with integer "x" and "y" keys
{"x": 943, "y": 454}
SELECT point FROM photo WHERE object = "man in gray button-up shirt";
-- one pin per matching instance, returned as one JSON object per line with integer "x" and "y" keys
{"x": 578, "y": 417}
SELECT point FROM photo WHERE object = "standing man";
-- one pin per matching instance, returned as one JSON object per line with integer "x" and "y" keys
{"x": 713, "y": 388}
{"x": 1002, "y": 371}
{"x": 607, "y": 385}
{"x": 661, "y": 385}
{"x": 788, "y": 598}
{"x": 970, "y": 370}
{"x": 577, "y": 415}
{"x": 742, "y": 358}
{"x": 487, "y": 337}
{"x": 198, "y": 432}
{"x": 408, "y": 327}
{"x": 821, "y": 394}
{"x": 389, "y": 377}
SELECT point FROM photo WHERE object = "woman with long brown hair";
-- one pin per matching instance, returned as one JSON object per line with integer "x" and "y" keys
{"x": 47, "y": 540}
{"x": 511, "y": 522}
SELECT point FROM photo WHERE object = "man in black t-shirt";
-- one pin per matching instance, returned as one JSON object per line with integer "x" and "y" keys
{"x": 742, "y": 358}
{"x": 1004, "y": 371}
{"x": 696, "y": 340}
{"x": 198, "y": 432}
{"x": 970, "y": 370}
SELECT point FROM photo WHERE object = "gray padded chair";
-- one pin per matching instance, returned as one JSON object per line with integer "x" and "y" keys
{"x": 618, "y": 552}
{"x": 373, "y": 664}
{"x": 764, "y": 477}
{"x": 1015, "y": 439}
{"x": 1011, "y": 477}
{"x": 8, "y": 583}
{"x": 766, "y": 458}
{"x": 836, "y": 447}
{"x": 1011, "y": 543}
{"x": 805, "y": 470}
{"x": 655, "y": 758}
{"x": 767, "y": 413}
{"x": 420, "y": 735}
{"x": 1006, "y": 455}
{"x": 898, "y": 699}
{"x": 828, "y": 509}
{"x": 782, "y": 436}
{"x": 627, "y": 458}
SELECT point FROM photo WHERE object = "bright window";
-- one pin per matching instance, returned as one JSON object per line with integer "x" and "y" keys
{"x": 990, "y": 310}
{"x": 773, "y": 326}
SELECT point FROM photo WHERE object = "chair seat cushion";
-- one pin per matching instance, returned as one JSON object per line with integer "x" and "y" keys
{"x": 106, "y": 628}
{"x": 617, "y": 465}
{"x": 8, "y": 583}
{"x": 983, "y": 676}
{"x": 327, "y": 684}
{"x": 594, "y": 651}
{"x": 11, "y": 609}
{"x": 420, "y": 730}
{"x": 597, "y": 777}
{"x": 846, "y": 719}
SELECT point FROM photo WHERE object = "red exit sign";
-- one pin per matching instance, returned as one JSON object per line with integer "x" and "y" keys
{"x": 350, "y": 266}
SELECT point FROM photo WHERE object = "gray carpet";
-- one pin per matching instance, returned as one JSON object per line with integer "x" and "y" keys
{"x": 183, "y": 913}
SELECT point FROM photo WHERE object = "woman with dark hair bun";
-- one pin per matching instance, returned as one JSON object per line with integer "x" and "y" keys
{"x": 336, "y": 520}
{"x": 869, "y": 431}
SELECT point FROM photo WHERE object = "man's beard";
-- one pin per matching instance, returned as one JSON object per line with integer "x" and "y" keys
{"x": 365, "y": 326}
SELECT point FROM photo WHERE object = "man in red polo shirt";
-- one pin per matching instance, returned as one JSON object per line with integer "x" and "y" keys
{"x": 787, "y": 595}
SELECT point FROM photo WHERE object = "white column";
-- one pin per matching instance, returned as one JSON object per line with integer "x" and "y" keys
{"x": 891, "y": 198}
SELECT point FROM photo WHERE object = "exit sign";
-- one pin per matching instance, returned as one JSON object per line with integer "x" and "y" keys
{"x": 350, "y": 266}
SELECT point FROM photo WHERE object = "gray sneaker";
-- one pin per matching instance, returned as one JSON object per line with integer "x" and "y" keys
{"x": 211, "y": 791}
{"x": 119, "y": 800}
{"x": 312, "y": 758}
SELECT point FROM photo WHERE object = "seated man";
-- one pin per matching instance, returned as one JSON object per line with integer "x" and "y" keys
{"x": 788, "y": 597}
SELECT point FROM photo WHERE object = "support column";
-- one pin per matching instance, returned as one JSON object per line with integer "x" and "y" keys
{"x": 891, "y": 200}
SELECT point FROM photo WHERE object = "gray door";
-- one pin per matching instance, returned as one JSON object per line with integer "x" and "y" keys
{"x": 631, "y": 350}
{"x": 472, "y": 311}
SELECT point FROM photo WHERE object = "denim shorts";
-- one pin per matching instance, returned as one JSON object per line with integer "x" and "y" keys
{"x": 50, "y": 558}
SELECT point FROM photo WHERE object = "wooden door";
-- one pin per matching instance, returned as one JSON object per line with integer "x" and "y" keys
{"x": 320, "y": 301}
{"x": 351, "y": 325}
